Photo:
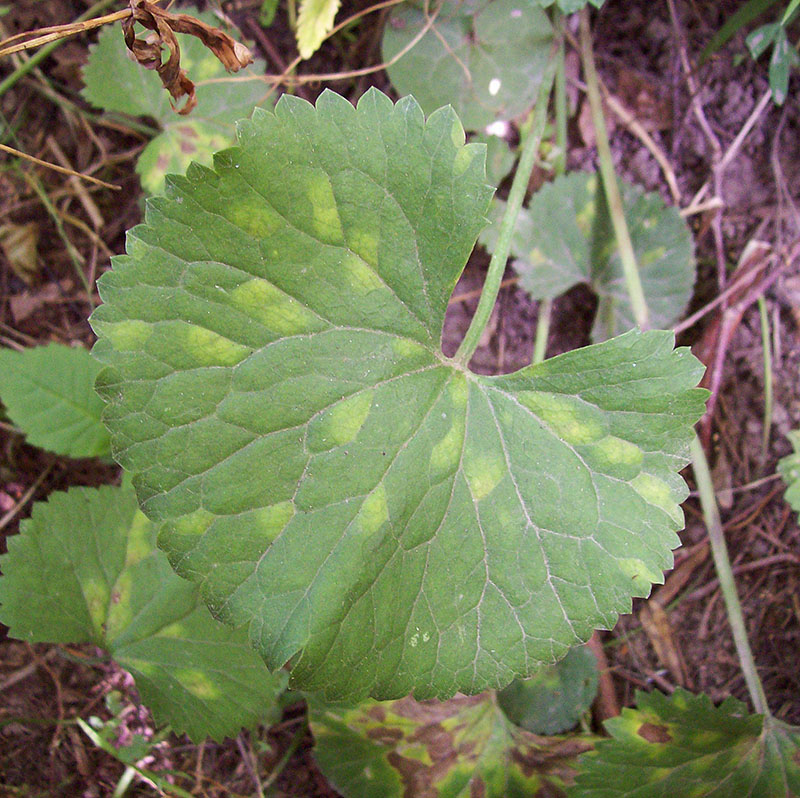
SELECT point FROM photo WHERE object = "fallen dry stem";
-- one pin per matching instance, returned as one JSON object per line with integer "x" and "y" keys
{"x": 63, "y": 170}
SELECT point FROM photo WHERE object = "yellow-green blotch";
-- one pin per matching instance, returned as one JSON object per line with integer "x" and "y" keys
{"x": 126, "y": 336}
{"x": 374, "y": 512}
{"x": 341, "y": 423}
{"x": 208, "y": 348}
{"x": 197, "y": 683}
{"x": 277, "y": 311}
{"x": 327, "y": 225}
{"x": 574, "y": 421}
{"x": 483, "y": 473}
{"x": 656, "y": 492}
{"x": 140, "y": 539}
{"x": 120, "y": 613}
{"x": 97, "y": 598}
{"x": 359, "y": 277}
{"x": 652, "y": 255}
{"x": 271, "y": 521}
{"x": 365, "y": 244}
{"x": 195, "y": 524}
{"x": 253, "y": 216}
{"x": 619, "y": 457}
{"x": 446, "y": 454}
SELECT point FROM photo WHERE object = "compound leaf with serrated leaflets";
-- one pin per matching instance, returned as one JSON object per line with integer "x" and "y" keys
{"x": 684, "y": 745}
{"x": 85, "y": 569}
{"x": 48, "y": 392}
{"x": 384, "y": 519}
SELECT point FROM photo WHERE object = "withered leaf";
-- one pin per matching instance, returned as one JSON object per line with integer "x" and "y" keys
{"x": 232, "y": 54}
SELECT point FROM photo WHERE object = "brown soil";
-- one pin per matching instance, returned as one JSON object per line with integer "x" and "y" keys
{"x": 638, "y": 49}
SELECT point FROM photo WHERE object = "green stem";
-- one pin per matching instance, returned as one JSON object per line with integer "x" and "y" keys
{"x": 560, "y": 166}
{"x": 719, "y": 551}
{"x": 45, "y": 51}
{"x": 767, "y": 355}
{"x": 542, "y": 330}
{"x": 516, "y": 195}
{"x": 626, "y": 253}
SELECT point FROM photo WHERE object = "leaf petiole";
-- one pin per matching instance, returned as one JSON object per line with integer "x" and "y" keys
{"x": 497, "y": 265}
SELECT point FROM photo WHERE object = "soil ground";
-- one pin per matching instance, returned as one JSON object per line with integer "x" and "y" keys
{"x": 639, "y": 48}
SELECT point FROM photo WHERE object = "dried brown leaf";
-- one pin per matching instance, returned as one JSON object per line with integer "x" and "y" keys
{"x": 148, "y": 52}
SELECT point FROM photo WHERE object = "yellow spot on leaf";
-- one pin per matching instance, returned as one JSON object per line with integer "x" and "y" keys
{"x": 140, "y": 543}
{"x": 197, "y": 683}
{"x": 272, "y": 520}
{"x": 129, "y": 335}
{"x": 574, "y": 421}
{"x": 268, "y": 305}
{"x": 341, "y": 423}
{"x": 656, "y": 492}
{"x": 483, "y": 474}
{"x": 208, "y": 348}
{"x": 374, "y": 512}
{"x": 255, "y": 217}
{"x": 446, "y": 454}
{"x": 365, "y": 244}
{"x": 327, "y": 224}
{"x": 359, "y": 277}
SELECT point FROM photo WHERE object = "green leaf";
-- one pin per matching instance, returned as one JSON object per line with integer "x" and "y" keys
{"x": 500, "y": 157}
{"x": 742, "y": 17}
{"x": 789, "y": 469}
{"x": 683, "y": 745}
{"x": 116, "y": 83}
{"x": 565, "y": 237}
{"x": 555, "y": 699}
{"x": 49, "y": 394}
{"x": 779, "y": 65}
{"x": 759, "y": 40}
{"x": 385, "y": 519}
{"x": 461, "y": 747}
{"x": 84, "y": 569}
{"x": 484, "y": 58}
{"x": 314, "y": 23}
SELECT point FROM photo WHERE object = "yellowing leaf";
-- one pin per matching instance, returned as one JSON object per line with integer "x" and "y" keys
{"x": 314, "y": 23}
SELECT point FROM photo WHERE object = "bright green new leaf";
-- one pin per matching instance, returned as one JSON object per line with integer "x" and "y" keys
{"x": 789, "y": 469}
{"x": 683, "y": 745}
{"x": 85, "y": 569}
{"x": 115, "y": 82}
{"x": 554, "y": 699}
{"x": 458, "y": 748}
{"x": 314, "y": 23}
{"x": 484, "y": 58}
{"x": 49, "y": 394}
{"x": 384, "y": 519}
{"x": 565, "y": 237}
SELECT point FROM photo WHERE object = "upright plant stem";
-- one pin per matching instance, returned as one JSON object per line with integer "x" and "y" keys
{"x": 722, "y": 564}
{"x": 494, "y": 276}
{"x": 560, "y": 166}
{"x": 626, "y": 254}
{"x": 766, "y": 351}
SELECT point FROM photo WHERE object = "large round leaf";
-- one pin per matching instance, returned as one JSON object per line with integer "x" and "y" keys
{"x": 484, "y": 58}
{"x": 386, "y": 520}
